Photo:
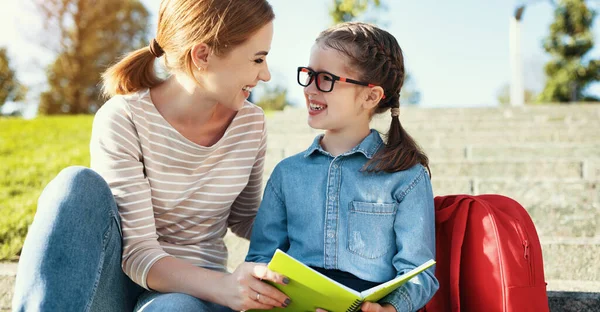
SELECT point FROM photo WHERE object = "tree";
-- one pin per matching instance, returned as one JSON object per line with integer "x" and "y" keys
{"x": 10, "y": 88}
{"x": 350, "y": 10}
{"x": 273, "y": 98}
{"x": 503, "y": 96}
{"x": 92, "y": 35}
{"x": 569, "y": 41}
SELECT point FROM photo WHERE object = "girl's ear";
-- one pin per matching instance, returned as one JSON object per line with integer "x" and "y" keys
{"x": 200, "y": 53}
{"x": 373, "y": 96}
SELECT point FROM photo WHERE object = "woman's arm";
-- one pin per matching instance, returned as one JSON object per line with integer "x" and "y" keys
{"x": 415, "y": 240}
{"x": 246, "y": 204}
{"x": 116, "y": 155}
{"x": 237, "y": 290}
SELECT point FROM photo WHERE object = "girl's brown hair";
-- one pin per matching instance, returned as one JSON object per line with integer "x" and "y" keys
{"x": 221, "y": 24}
{"x": 376, "y": 57}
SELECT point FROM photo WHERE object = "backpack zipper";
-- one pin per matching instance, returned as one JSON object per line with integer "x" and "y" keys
{"x": 526, "y": 251}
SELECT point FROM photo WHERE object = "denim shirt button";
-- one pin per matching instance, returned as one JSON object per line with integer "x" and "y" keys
{"x": 330, "y": 234}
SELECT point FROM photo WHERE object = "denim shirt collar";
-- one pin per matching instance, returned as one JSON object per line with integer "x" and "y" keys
{"x": 368, "y": 147}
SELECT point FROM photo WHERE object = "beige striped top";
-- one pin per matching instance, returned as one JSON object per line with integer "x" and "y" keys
{"x": 176, "y": 197}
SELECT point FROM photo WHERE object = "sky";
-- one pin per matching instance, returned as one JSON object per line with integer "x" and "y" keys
{"x": 457, "y": 51}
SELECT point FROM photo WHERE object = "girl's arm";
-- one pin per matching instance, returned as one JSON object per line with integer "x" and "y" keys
{"x": 270, "y": 226}
{"x": 415, "y": 240}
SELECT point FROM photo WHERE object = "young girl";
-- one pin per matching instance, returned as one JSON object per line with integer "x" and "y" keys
{"x": 351, "y": 206}
{"x": 175, "y": 163}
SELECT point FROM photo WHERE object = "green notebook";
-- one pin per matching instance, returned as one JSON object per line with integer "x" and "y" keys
{"x": 310, "y": 289}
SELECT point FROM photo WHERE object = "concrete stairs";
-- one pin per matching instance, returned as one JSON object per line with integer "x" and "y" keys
{"x": 545, "y": 157}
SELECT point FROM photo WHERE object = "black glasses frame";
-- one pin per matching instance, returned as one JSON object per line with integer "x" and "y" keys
{"x": 312, "y": 74}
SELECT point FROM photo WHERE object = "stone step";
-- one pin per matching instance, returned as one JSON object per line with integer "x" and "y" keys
{"x": 536, "y": 113}
{"x": 483, "y": 124}
{"x": 300, "y": 123}
{"x": 571, "y": 259}
{"x": 301, "y": 140}
{"x": 486, "y": 152}
{"x": 566, "y": 221}
{"x": 572, "y": 285}
{"x": 438, "y": 152}
{"x": 515, "y": 169}
{"x": 300, "y": 126}
{"x": 276, "y": 124}
{"x": 6, "y": 292}
{"x": 522, "y": 151}
{"x": 557, "y": 208}
{"x": 510, "y": 136}
{"x": 447, "y": 139}
{"x": 551, "y": 169}
{"x": 8, "y": 271}
{"x": 555, "y": 191}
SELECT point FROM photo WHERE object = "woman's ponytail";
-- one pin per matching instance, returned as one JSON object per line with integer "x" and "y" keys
{"x": 133, "y": 73}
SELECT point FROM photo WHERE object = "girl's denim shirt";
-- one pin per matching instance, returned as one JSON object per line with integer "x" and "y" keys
{"x": 326, "y": 212}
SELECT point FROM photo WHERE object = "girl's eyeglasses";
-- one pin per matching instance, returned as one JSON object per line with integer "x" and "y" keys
{"x": 325, "y": 80}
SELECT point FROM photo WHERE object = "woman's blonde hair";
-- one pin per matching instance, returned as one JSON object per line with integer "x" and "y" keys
{"x": 221, "y": 24}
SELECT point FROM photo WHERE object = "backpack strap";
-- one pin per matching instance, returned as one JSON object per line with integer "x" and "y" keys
{"x": 447, "y": 208}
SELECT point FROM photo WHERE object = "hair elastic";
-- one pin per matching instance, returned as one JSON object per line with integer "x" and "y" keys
{"x": 155, "y": 49}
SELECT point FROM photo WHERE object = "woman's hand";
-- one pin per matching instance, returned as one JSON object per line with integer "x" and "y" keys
{"x": 245, "y": 290}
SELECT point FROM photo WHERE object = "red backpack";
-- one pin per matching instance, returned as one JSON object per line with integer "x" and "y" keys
{"x": 489, "y": 256}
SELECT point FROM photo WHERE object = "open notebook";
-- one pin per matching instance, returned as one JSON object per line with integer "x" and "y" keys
{"x": 310, "y": 289}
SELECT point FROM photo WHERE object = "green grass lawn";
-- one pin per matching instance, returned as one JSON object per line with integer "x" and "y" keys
{"x": 32, "y": 152}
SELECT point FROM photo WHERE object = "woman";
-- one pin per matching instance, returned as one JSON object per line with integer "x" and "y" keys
{"x": 175, "y": 163}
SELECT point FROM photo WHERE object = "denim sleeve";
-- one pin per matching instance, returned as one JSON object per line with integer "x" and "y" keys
{"x": 270, "y": 226}
{"x": 415, "y": 242}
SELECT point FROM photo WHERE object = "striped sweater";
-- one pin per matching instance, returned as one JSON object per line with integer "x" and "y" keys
{"x": 175, "y": 197}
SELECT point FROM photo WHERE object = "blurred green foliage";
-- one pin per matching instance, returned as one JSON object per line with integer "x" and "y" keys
{"x": 349, "y": 10}
{"x": 273, "y": 99}
{"x": 10, "y": 87}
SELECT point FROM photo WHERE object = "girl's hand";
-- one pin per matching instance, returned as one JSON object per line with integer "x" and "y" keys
{"x": 376, "y": 307}
{"x": 244, "y": 289}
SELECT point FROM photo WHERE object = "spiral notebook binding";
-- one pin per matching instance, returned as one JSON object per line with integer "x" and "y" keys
{"x": 355, "y": 306}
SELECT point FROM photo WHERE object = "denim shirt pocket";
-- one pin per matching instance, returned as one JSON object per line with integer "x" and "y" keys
{"x": 371, "y": 229}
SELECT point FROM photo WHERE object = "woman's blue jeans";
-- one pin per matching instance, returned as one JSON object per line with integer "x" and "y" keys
{"x": 71, "y": 259}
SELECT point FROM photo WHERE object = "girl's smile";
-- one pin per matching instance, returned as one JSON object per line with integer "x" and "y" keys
{"x": 315, "y": 107}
